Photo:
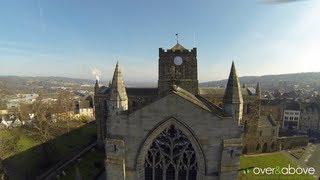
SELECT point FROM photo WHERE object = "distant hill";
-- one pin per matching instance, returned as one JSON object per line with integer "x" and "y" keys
{"x": 10, "y": 85}
{"x": 28, "y": 84}
{"x": 49, "y": 79}
{"x": 269, "y": 81}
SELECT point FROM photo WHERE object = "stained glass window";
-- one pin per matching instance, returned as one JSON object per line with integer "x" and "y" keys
{"x": 171, "y": 157}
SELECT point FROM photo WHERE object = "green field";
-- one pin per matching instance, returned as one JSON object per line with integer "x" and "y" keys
{"x": 27, "y": 158}
{"x": 273, "y": 160}
{"x": 88, "y": 170}
{"x": 30, "y": 159}
{"x": 14, "y": 141}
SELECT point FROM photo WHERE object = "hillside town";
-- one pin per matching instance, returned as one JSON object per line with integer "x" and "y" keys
{"x": 281, "y": 120}
{"x": 12, "y": 105}
{"x": 160, "y": 90}
{"x": 295, "y": 108}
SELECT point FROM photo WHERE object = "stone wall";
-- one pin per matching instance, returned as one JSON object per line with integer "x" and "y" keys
{"x": 185, "y": 75}
{"x": 204, "y": 128}
{"x": 292, "y": 142}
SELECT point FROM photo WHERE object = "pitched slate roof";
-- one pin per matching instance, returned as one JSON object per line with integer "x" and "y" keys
{"x": 188, "y": 96}
{"x": 292, "y": 105}
{"x": 266, "y": 121}
{"x": 133, "y": 91}
{"x": 178, "y": 47}
{"x": 198, "y": 100}
{"x": 217, "y": 91}
{"x": 251, "y": 91}
{"x": 214, "y": 108}
{"x": 145, "y": 91}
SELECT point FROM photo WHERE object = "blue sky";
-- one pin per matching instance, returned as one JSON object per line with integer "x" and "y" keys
{"x": 72, "y": 37}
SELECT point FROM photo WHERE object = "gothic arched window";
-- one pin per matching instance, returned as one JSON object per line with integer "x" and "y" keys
{"x": 171, "y": 157}
{"x": 272, "y": 146}
{"x": 244, "y": 151}
{"x": 265, "y": 147}
{"x": 258, "y": 147}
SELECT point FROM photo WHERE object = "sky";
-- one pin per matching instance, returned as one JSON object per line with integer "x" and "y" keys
{"x": 73, "y": 37}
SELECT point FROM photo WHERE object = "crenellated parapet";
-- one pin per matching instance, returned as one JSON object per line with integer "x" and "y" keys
{"x": 182, "y": 51}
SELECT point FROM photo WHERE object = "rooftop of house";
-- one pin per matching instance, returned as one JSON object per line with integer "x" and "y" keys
{"x": 133, "y": 91}
{"x": 292, "y": 105}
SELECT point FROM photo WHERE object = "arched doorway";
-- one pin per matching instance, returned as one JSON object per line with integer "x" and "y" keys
{"x": 258, "y": 147}
{"x": 244, "y": 151}
{"x": 171, "y": 157}
{"x": 264, "y": 148}
{"x": 273, "y": 146}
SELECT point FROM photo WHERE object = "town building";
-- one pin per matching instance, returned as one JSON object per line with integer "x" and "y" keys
{"x": 84, "y": 106}
{"x": 309, "y": 116}
{"x": 291, "y": 115}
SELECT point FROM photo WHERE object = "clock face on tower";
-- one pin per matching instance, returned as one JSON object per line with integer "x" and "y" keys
{"x": 178, "y": 60}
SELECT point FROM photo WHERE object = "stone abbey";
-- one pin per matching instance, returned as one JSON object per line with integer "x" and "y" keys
{"x": 170, "y": 132}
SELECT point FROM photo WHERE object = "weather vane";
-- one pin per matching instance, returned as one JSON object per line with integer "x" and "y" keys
{"x": 177, "y": 37}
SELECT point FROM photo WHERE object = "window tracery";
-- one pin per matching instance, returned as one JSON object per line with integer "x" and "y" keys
{"x": 171, "y": 157}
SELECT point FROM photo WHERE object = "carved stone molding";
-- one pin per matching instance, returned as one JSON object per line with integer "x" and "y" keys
{"x": 140, "y": 164}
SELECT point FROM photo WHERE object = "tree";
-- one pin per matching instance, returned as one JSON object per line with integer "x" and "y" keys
{"x": 63, "y": 107}
{"x": 42, "y": 122}
{"x": 24, "y": 111}
{"x": 8, "y": 141}
{"x": 43, "y": 128}
{"x": 64, "y": 102}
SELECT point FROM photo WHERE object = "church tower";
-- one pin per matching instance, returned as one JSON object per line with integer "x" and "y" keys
{"x": 178, "y": 66}
{"x": 232, "y": 100}
{"x": 118, "y": 101}
{"x": 251, "y": 121}
{"x": 99, "y": 115}
{"x": 96, "y": 87}
{"x": 100, "y": 127}
{"x": 258, "y": 91}
{"x": 258, "y": 99}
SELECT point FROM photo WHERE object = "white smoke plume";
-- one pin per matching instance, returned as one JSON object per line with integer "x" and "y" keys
{"x": 96, "y": 72}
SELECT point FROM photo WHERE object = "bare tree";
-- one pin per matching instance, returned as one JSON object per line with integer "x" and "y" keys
{"x": 42, "y": 123}
{"x": 42, "y": 127}
{"x": 63, "y": 107}
{"x": 64, "y": 102}
{"x": 24, "y": 111}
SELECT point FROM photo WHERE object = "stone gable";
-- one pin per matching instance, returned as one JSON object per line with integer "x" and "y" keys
{"x": 204, "y": 126}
